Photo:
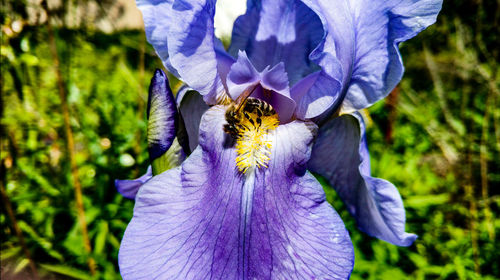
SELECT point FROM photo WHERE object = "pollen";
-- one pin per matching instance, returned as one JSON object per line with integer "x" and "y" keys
{"x": 252, "y": 128}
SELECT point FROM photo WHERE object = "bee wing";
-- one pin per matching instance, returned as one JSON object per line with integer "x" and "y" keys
{"x": 243, "y": 97}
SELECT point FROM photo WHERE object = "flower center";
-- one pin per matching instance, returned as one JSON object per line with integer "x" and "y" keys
{"x": 250, "y": 123}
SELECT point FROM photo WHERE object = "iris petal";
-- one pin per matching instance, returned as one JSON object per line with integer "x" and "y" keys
{"x": 315, "y": 94}
{"x": 340, "y": 154}
{"x": 191, "y": 107}
{"x": 206, "y": 220}
{"x": 243, "y": 76}
{"x": 274, "y": 31}
{"x": 378, "y": 66}
{"x": 364, "y": 36}
{"x": 326, "y": 91}
{"x": 129, "y": 188}
{"x": 182, "y": 34}
{"x": 162, "y": 116}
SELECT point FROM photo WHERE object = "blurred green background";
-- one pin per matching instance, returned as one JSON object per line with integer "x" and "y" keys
{"x": 73, "y": 116}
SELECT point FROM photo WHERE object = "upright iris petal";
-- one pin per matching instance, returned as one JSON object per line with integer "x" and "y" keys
{"x": 274, "y": 31}
{"x": 352, "y": 43}
{"x": 182, "y": 33}
{"x": 364, "y": 36}
{"x": 289, "y": 32}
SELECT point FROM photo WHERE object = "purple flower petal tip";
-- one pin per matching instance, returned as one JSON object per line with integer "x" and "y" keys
{"x": 129, "y": 188}
{"x": 162, "y": 116}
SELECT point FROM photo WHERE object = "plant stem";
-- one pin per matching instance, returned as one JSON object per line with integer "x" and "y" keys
{"x": 70, "y": 142}
{"x": 390, "y": 105}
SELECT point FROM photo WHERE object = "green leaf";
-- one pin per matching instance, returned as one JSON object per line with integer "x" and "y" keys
{"x": 113, "y": 241}
{"x": 32, "y": 174}
{"x": 74, "y": 241}
{"x": 21, "y": 265}
{"x": 100, "y": 239}
{"x": 459, "y": 266}
{"x": 67, "y": 271}
{"x": 9, "y": 253}
{"x": 418, "y": 260}
{"x": 42, "y": 242}
{"x": 422, "y": 201}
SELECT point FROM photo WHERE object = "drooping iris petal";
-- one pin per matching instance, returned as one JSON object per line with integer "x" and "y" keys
{"x": 162, "y": 116}
{"x": 243, "y": 76}
{"x": 274, "y": 31}
{"x": 182, "y": 34}
{"x": 191, "y": 107}
{"x": 364, "y": 35}
{"x": 129, "y": 188}
{"x": 340, "y": 154}
{"x": 206, "y": 220}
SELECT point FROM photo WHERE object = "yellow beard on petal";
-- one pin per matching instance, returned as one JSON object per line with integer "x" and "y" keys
{"x": 223, "y": 99}
{"x": 251, "y": 126}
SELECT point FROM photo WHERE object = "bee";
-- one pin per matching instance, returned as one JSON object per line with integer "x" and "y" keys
{"x": 233, "y": 119}
{"x": 259, "y": 107}
{"x": 251, "y": 109}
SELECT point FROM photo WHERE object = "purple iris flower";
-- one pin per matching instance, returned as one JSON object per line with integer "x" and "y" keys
{"x": 280, "y": 103}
